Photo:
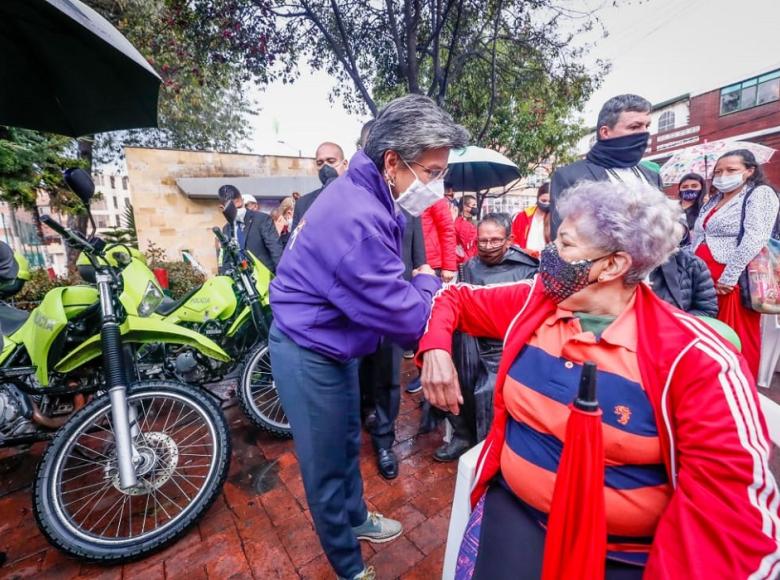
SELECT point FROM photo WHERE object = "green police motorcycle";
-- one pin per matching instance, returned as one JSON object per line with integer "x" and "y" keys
{"x": 231, "y": 309}
{"x": 132, "y": 464}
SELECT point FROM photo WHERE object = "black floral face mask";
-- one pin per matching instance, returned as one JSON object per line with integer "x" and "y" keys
{"x": 560, "y": 278}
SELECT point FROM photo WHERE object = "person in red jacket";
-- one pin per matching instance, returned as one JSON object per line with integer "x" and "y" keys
{"x": 466, "y": 230}
{"x": 688, "y": 490}
{"x": 439, "y": 236}
{"x": 531, "y": 226}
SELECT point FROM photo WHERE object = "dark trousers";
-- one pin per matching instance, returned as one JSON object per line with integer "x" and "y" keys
{"x": 511, "y": 543}
{"x": 321, "y": 398}
{"x": 380, "y": 378}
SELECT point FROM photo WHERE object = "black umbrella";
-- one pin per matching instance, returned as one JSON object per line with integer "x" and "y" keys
{"x": 478, "y": 169}
{"x": 65, "y": 69}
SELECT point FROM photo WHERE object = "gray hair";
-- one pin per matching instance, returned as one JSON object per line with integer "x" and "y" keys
{"x": 502, "y": 220}
{"x": 411, "y": 125}
{"x": 610, "y": 111}
{"x": 613, "y": 217}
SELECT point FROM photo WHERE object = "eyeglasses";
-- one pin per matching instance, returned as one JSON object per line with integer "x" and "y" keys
{"x": 434, "y": 174}
{"x": 491, "y": 243}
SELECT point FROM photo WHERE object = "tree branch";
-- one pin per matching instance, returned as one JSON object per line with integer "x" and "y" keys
{"x": 393, "y": 22}
{"x": 492, "y": 105}
{"x": 450, "y": 52}
{"x": 345, "y": 58}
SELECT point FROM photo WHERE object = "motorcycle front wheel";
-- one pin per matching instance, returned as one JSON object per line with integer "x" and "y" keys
{"x": 257, "y": 394}
{"x": 182, "y": 457}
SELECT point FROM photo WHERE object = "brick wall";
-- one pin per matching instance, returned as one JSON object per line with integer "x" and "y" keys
{"x": 166, "y": 216}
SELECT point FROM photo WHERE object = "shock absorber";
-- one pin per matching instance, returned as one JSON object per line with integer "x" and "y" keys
{"x": 116, "y": 379}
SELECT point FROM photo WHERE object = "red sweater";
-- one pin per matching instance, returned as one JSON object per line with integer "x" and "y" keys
{"x": 439, "y": 236}
{"x": 722, "y": 520}
{"x": 466, "y": 237}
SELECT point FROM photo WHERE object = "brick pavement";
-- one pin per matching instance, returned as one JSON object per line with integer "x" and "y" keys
{"x": 259, "y": 527}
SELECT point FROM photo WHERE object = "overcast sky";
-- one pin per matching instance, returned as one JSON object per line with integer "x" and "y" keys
{"x": 658, "y": 49}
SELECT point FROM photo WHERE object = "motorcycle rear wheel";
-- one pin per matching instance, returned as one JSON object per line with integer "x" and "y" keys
{"x": 257, "y": 394}
{"x": 184, "y": 447}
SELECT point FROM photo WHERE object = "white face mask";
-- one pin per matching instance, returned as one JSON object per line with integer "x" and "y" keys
{"x": 726, "y": 183}
{"x": 240, "y": 214}
{"x": 420, "y": 196}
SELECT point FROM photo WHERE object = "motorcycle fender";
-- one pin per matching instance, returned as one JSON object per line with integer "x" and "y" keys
{"x": 143, "y": 331}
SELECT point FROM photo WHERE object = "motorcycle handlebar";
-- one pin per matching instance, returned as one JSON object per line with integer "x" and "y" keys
{"x": 220, "y": 236}
{"x": 70, "y": 236}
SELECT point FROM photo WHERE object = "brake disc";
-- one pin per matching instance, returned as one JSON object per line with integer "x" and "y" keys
{"x": 159, "y": 459}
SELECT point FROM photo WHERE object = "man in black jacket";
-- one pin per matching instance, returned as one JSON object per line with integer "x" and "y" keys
{"x": 380, "y": 372}
{"x": 331, "y": 163}
{"x": 622, "y": 134}
{"x": 254, "y": 230}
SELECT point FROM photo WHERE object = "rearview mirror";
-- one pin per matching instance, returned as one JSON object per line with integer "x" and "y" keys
{"x": 230, "y": 211}
{"x": 81, "y": 184}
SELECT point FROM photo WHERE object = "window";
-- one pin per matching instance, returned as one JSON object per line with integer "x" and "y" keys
{"x": 125, "y": 180}
{"x": 666, "y": 121}
{"x": 101, "y": 221}
{"x": 116, "y": 221}
{"x": 127, "y": 202}
{"x": 750, "y": 93}
{"x": 116, "y": 203}
{"x": 113, "y": 182}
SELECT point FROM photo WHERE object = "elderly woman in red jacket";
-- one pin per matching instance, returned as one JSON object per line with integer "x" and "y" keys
{"x": 688, "y": 490}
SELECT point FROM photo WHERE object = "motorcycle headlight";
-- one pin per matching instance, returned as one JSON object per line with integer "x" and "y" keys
{"x": 150, "y": 301}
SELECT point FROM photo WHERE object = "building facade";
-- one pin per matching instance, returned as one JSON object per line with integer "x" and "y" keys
{"x": 110, "y": 209}
{"x": 174, "y": 194}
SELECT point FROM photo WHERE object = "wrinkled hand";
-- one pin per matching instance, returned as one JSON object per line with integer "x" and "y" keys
{"x": 448, "y": 275}
{"x": 722, "y": 289}
{"x": 440, "y": 381}
{"x": 424, "y": 269}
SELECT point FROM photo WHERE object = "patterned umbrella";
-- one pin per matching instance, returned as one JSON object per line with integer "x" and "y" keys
{"x": 701, "y": 158}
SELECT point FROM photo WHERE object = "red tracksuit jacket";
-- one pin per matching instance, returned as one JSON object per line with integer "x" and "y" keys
{"x": 722, "y": 520}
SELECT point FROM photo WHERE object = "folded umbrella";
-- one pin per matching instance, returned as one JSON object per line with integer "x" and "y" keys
{"x": 65, "y": 69}
{"x": 576, "y": 541}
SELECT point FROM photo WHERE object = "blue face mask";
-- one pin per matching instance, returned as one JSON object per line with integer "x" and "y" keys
{"x": 689, "y": 194}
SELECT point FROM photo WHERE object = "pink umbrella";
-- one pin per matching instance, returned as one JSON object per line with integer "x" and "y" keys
{"x": 701, "y": 158}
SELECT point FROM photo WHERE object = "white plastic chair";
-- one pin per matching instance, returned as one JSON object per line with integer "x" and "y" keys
{"x": 461, "y": 508}
{"x": 770, "y": 349}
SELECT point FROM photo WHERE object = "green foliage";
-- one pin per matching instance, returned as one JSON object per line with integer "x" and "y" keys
{"x": 31, "y": 162}
{"x": 182, "y": 277}
{"x": 127, "y": 235}
{"x": 38, "y": 285}
{"x": 510, "y": 70}
{"x": 206, "y": 52}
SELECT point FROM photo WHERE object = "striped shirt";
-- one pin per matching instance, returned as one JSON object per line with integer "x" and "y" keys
{"x": 540, "y": 385}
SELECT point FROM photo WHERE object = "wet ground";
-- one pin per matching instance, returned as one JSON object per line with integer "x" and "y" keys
{"x": 259, "y": 527}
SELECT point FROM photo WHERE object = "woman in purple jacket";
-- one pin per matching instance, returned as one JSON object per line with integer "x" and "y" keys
{"x": 339, "y": 288}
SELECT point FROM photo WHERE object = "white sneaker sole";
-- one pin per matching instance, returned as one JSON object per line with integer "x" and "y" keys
{"x": 374, "y": 540}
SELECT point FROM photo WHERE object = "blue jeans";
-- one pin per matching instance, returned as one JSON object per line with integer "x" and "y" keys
{"x": 321, "y": 397}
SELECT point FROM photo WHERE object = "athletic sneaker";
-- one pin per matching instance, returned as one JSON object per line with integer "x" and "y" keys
{"x": 378, "y": 529}
{"x": 367, "y": 574}
{"x": 415, "y": 386}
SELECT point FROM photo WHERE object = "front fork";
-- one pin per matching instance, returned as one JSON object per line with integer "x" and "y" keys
{"x": 254, "y": 303}
{"x": 123, "y": 416}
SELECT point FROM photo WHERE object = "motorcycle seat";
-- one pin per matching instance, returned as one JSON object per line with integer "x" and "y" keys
{"x": 11, "y": 319}
{"x": 169, "y": 305}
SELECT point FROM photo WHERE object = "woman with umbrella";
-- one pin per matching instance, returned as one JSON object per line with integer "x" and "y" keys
{"x": 684, "y": 440}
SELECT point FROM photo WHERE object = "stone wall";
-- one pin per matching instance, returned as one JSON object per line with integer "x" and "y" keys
{"x": 166, "y": 216}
